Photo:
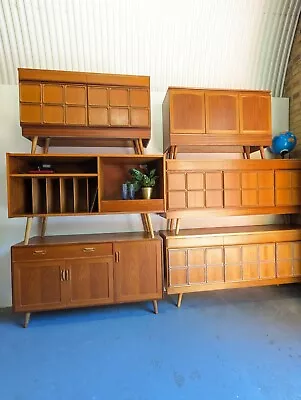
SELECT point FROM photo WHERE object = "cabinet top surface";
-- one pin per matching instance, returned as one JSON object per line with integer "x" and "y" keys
{"x": 233, "y": 230}
{"x": 220, "y": 164}
{"x": 86, "y": 238}
{"x": 85, "y": 155}
{"x": 28, "y": 74}
{"x": 219, "y": 89}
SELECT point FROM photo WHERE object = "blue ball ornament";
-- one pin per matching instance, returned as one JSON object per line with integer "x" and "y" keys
{"x": 283, "y": 143}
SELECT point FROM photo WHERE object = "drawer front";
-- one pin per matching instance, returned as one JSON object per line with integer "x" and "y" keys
{"x": 84, "y": 250}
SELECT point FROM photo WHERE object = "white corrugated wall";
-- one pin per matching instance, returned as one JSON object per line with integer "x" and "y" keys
{"x": 203, "y": 43}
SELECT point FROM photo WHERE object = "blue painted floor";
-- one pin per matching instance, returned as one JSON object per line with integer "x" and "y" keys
{"x": 237, "y": 344}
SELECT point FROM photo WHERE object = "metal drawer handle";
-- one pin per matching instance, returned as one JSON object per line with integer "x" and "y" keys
{"x": 88, "y": 249}
{"x": 39, "y": 252}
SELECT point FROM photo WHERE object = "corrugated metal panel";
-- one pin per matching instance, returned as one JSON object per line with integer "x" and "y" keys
{"x": 202, "y": 43}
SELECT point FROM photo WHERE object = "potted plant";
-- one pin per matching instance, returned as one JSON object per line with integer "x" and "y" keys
{"x": 144, "y": 179}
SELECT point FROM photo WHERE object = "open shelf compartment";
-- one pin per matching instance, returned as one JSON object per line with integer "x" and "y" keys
{"x": 81, "y": 184}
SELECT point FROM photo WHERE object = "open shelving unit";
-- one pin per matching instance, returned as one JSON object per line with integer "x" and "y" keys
{"x": 79, "y": 185}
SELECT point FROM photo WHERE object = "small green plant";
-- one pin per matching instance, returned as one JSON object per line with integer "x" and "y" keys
{"x": 143, "y": 178}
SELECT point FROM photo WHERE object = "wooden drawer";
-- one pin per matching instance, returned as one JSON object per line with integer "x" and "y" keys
{"x": 32, "y": 253}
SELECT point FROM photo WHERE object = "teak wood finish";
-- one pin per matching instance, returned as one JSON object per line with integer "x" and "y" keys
{"x": 62, "y": 272}
{"x": 81, "y": 185}
{"x": 63, "y": 108}
{"x": 231, "y": 187}
{"x": 223, "y": 258}
{"x": 213, "y": 120}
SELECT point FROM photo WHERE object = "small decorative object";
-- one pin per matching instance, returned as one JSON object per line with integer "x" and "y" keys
{"x": 124, "y": 192}
{"x": 144, "y": 180}
{"x": 283, "y": 143}
{"x": 131, "y": 191}
{"x": 41, "y": 168}
{"x": 128, "y": 191}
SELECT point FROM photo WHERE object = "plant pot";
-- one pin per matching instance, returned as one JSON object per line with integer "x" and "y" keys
{"x": 147, "y": 192}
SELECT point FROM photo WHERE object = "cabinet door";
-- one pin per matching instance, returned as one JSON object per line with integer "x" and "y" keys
{"x": 30, "y": 103}
{"x": 187, "y": 111}
{"x": 98, "y": 102}
{"x": 222, "y": 114}
{"x": 255, "y": 113}
{"x": 90, "y": 281}
{"x": 138, "y": 270}
{"x": 38, "y": 285}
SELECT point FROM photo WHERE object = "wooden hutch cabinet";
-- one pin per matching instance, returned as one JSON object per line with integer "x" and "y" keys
{"x": 66, "y": 108}
{"x": 198, "y": 120}
{"x": 61, "y": 108}
{"x": 219, "y": 258}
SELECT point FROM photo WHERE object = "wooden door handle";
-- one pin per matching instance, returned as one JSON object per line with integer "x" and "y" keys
{"x": 67, "y": 275}
{"x": 62, "y": 275}
{"x": 117, "y": 256}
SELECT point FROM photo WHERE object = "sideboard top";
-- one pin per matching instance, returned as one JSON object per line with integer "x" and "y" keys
{"x": 93, "y": 78}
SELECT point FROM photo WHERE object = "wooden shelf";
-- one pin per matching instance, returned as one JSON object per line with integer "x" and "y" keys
{"x": 70, "y": 175}
{"x": 125, "y": 206}
{"x": 81, "y": 185}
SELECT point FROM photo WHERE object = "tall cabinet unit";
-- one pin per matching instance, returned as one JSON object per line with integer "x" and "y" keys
{"x": 77, "y": 109}
{"x": 212, "y": 120}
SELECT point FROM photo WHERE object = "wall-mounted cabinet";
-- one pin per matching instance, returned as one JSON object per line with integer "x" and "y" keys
{"x": 232, "y": 187}
{"x": 78, "y": 184}
{"x": 82, "y": 109}
{"x": 198, "y": 120}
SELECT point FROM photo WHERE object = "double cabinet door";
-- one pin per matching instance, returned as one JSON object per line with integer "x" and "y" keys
{"x": 219, "y": 112}
{"x": 132, "y": 274}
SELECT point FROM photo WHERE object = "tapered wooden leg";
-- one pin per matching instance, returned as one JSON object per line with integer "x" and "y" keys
{"x": 177, "y": 226}
{"x": 135, "y": 146}
{"x": 26, "y": 319}
{"x": 168, "y": 224}
{"x": 144, "y": 223}
{"x": 43, "y": 226}
{"x": 27, "y": 230}
{"x": 180, "y": 296}
{"x": 34, "y": 144}
{"x": 140, "y": 144}
{"x": 172, "y": 224}
{"x": 150, "y": 225}
{"x": 261, "y": 148}
{"x": 247, "y": 151}
{"x": 175, "y": 152}
{"x": 155, "y": 304}
{"x": 46, "y": 146}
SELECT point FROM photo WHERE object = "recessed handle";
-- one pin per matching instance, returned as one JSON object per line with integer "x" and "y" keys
{"x": 117, "y": 256}
{"x": 89, "y": 249}
{"x": 39, "y": 252}
{"x": 67, "y": 275}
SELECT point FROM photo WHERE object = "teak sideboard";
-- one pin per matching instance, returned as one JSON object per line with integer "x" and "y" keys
{"x": 199, "y": 120}
{"x": 58, "y": 272}
{"x": 64, "y": 108}
{"x": 221, "y": 258}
